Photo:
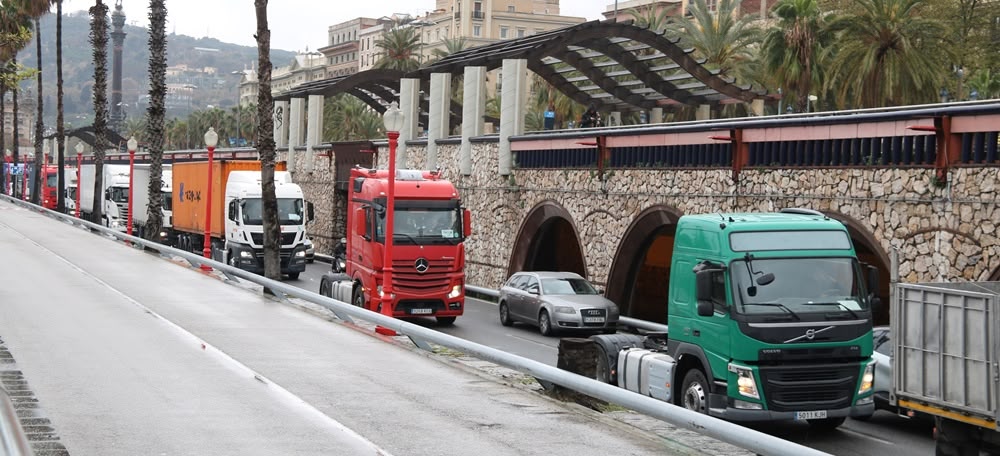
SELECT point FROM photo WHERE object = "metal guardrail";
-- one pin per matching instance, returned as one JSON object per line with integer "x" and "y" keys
{"x": 627, "y": 321}
{"x": 13, "y": 440}
{"x": 725, "y": 431}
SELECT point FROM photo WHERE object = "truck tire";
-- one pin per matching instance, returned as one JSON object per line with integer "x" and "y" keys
{"x": 359, "y": 298}
{"x": 231, "y": 259}
{"x": 545, "y": 323}
{"x": 955, "y": 439}
{"x": 602, "y": 371}
{"x": 505, "y": 315}
{"x": 293, "y": 276}
{"x": 325, "y": 288}
{"x": 826, "y": 424}
{"x": 694, "y": 392}
{"x": 446, "y": 321}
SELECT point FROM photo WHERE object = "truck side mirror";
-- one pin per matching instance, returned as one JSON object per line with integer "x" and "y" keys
{"x": 310, "y": 211}
{"x": 360, "y": 228}
{"x": 107, "y": 193}
{"x": 872, "y": 278}
{"x": 466, "y": 223}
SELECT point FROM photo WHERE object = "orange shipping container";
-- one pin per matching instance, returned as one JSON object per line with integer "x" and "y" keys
{"x": 190, "y": 184}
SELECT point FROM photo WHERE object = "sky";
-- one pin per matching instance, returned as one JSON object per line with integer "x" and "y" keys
{"x": 296, "y": 25}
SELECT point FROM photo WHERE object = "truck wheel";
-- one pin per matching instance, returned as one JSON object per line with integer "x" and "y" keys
{"x": 359, "y": 298}
{"x": 826, "y": 424}
{"x": 694, "y": 392}
{"x": 324, "y": 288}
{"x": 505, "y": 315}
{"x": 545, "y": 323}
{"x": 232, "y": 259}
{"x": 446, "y": 321}
{"x": 293, "y": 276}
{"x": 602, "y": 371}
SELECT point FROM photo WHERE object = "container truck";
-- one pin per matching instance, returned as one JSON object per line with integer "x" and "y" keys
{"x": 236, "y": 225}
{"x": 140, "y": 182}
{"x": 429, "y": 231}
{"x": 770, "y": 319}
{"x": 946, "y": 361}
{"x": 115, "y": 189}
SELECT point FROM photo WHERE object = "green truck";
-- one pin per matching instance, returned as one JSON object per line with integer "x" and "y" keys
{"x": 770, "y": 318}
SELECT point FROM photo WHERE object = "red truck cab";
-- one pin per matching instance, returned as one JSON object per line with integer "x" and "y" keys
{"x": 429, "y": 231}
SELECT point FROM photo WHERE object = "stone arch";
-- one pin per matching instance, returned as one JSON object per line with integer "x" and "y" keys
{"x": 638, "y": 281}
{"x": 995, "y": 276}
{"x": 547, "y": 240}
{"x": 869, "y": 251}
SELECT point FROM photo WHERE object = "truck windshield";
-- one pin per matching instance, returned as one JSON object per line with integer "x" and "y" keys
{"x": 119, "y": 194}
{"x": 52, "y": 180}
{"x": 424, "y": 225}
{"x": 800, "y": 286}
{"x": 289, "y": 211}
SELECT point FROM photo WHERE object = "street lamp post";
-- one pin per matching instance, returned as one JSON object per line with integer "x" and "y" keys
{"x": 809, "y": 100}
{"x": 132, "y": 144}
{"x": 393, "y": 119}
{"x": 211, "y": 139}
{"x": 79, "y": 183}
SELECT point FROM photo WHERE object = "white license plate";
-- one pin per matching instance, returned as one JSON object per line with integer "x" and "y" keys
{"x": 810, "y": 415}
{"x": 421, "y": 311}
{"x": 593, "y": 319}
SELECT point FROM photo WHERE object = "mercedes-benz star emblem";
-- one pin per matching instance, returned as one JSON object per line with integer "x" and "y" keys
{"x": 421, "y": 265}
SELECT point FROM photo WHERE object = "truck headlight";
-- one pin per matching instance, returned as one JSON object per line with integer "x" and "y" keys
{"x": 565, "y": 310}
{"x": 455, "y": 292}
{"x": 245, "y": 254}
{"x": 745, "y": 382}
{"x": 378, "y": 289}
{"x": 868, "y": 379}
{"x": 300, "y": 254}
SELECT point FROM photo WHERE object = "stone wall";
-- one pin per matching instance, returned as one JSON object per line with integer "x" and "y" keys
{"x": 944, "y": 232}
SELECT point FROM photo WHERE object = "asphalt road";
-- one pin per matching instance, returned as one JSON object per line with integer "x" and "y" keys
{"x": 884, "y": 435}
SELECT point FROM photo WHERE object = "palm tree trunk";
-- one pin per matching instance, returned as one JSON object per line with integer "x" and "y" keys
{"x": 99, "y": 40}
{"x": 155, "y": 114}
{"x": 265, "y": 144}
{"x": 60, "y": 130}
{"x": 14, "y": 142}
{"x": 3, "y": 136}
{"x": 36, "y": 186}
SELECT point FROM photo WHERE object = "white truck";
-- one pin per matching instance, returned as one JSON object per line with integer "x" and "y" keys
{"x": 115, "y": 189}
{"x": 140, "y": 181}
{"x": 236, "y": 226}
{"x": 946, "y": 361}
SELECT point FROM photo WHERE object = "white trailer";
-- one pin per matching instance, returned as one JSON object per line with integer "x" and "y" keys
{"x": 115, "y": 189}
{"x": 946, "y": 361}
{"x": 140, "y": 203}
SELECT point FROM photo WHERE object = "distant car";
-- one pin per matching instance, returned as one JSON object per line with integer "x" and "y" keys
{"x": 310, "y": 250}
{"x": 883, "y": 372}
{"x": 554, "y": 302}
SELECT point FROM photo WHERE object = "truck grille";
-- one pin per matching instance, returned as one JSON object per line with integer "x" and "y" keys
{"x": 286, "y": 238}
{"x": 284, "y": 255}
{"x": 809, "y": 387}
{"x": 405, "y": 277}
{"x": 123, "y": 211}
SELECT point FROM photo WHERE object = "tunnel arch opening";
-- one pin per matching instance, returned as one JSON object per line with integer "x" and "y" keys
{"x": 639, "y": 277}
{"x": 869, "y": 251}
{"x": 548, "y": 240}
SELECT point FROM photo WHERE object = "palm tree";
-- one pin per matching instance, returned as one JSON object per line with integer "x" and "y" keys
{"x": 793, "y": 48}
{"x": 888, "y": 54}
{"x": 987, "y": 83}
{"x": 99, "y": 41}
{"x": 60, "y": 128}
{"x": 723, "y": 40}
{"x": 36, "y": 9}
{"x": 652, "y": 19}
{"x": 155, "y": 114}
{"x": 451, "y": 46}
{"x": 265, "y": 144}
{"x": 399, "y": 46}
{"x": 347, "y": 118}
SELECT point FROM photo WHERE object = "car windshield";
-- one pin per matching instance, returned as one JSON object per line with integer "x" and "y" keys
{"x": 424, "y": 225}
{"x": 800, "y": 286}
{"x": 567, "y": 286}
{"x": 289, "y": 211}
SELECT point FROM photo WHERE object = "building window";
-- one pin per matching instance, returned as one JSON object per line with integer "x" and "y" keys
{"x": 503, "y": 33}
{"x": 510, "y": 8}
{"x": 520, "y": 33}
{"x": 476, "y": 30}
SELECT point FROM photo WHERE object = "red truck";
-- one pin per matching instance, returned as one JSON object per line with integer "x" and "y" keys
{"x": 429, "y": 231}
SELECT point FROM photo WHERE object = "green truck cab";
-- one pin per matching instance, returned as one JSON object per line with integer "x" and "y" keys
{"x": 770, "y": 319}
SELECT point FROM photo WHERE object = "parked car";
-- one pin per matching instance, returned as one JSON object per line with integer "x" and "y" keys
{"x": 883, "y": 373}
{"x": 310, "y": 250}
{"x": 554, "y": 302}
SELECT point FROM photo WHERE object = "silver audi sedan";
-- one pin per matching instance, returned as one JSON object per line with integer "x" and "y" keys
{"x": 555, "y": 302}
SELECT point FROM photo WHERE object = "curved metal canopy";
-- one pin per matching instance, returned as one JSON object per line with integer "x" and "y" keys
{"x": 616, "y": 66}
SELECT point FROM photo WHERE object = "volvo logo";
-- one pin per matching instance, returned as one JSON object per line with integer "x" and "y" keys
{"x": 421, "y": 265}
{"x": 809, "y": 335}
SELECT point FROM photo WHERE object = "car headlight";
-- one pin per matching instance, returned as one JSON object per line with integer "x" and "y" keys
{"x": 745, "y": 382}
{"x": 868, "y": 379}
{"x": 300, "y": 254}
{"x": 565, "y": 310}
{"x": 455, "y": 292}
{"x": 245, "y": 254}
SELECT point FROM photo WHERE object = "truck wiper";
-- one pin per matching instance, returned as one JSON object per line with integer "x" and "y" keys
{"x": 414, "y": 241}
{"x": 774, "y": 304}
{"x": 842, "y": 306}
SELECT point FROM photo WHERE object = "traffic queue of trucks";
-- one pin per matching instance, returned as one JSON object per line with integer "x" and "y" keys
{"x": 770, "y": 319}
{"x": 140, "y": 195}
{"x": 428, "y": 254}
